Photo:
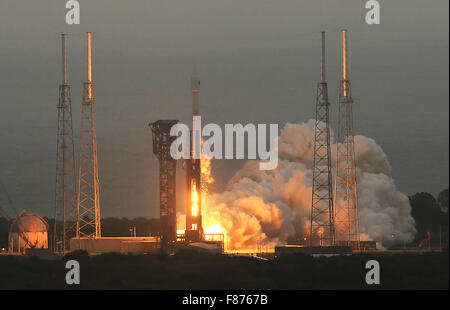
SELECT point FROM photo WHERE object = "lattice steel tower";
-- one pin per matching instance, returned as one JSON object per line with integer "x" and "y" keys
{"x": 167, "y": 181}
{"x": 65, "y": 193}
{"x": 346, "y": 194}
{"x": 88, "y": 224}
{"x": 322, "y": 224}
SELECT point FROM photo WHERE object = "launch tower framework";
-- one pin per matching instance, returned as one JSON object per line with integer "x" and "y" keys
{"x": 346, "y": 194}
{"x": 65, "y": 225}
{"x": 167, "y": 180}
{"x": 322, "y": 217}
{"x": 88, "y": 202}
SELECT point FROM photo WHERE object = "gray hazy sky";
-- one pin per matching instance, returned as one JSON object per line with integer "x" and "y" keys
{"x": 258, "y": 62}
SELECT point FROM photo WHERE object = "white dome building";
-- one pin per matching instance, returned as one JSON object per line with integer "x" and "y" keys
{"x": 28, "y": 230}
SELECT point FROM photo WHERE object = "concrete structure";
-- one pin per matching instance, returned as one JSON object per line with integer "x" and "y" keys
{"x": 361, "y": 245}
{"x": 204, "y": 247}
{"x": 42, "y": 254}
{"x": 28, "y": 230}
{"x": 123, "y": 245}
{"x": 313, "y": 250}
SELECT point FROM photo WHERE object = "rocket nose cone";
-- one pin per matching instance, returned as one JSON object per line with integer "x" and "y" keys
{"x": 195, "y": 83}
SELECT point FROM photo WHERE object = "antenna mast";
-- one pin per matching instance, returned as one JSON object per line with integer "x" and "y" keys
{"x": 65, "y": 195}
{"x": 322, "y": 224}
{"x": 346, "y": 194}
{"x": 88, "y": 205}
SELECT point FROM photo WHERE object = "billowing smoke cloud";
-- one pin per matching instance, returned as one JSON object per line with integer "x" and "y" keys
{"x": 272, "y": 207}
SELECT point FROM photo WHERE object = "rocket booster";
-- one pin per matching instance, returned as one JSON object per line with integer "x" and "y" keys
{"x": 196, "y": 130}
{"x": 194, "y": 228}
{"x": 195, "y": 88}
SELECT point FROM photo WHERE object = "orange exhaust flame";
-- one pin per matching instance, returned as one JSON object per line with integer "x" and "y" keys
{"x": 212, "y": 230}
{"x": 194, "y": 198}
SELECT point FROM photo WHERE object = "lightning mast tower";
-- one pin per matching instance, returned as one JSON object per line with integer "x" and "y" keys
{"x": 88, "y": 204}
{"x": 322, "y": 217}
{"x": 346, "y": 195}
{"x": 65, "y": 193}
{"x": 194, "y": 230}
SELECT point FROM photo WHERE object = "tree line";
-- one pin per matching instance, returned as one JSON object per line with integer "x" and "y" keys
{"x": 430, "y": 214}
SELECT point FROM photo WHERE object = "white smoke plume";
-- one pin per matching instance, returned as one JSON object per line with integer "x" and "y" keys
{"x": 272, "y": 207}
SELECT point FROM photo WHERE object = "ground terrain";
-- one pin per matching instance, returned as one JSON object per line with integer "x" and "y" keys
{"x": 189, "y": 270}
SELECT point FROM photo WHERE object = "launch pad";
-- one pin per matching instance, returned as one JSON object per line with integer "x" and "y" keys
{"x": 123, "y": 245}
{"x": 193, "y": 237}
{"x": 313, "y": 250}
{"x": 144, "y": 245}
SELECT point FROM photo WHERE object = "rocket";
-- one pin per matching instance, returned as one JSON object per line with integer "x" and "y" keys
{"x": 194, "y": 230}
{"x": 196, "y": 121}
{"x": 195, "y": 89}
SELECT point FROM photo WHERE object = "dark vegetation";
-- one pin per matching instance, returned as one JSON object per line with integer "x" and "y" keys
{"x": 188, "y": 270}
{"x": 431, "y": 216}
{"x": 4, "y": 231}
{"x": 429, "y": 213}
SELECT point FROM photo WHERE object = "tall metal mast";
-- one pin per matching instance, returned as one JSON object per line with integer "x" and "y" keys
{"x": 88, "y": 206}
{"x": 322, "y": 223}
{"x": 346, "y": 194}
{"x": 194, "y": 230}
{"x": 65, "y": 194}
